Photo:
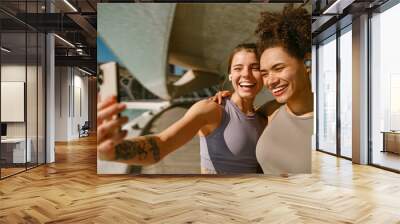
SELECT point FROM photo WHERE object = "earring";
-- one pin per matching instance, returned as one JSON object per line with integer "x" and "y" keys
{"x": 307, "y": 63}
{"x": 230, "y": 78}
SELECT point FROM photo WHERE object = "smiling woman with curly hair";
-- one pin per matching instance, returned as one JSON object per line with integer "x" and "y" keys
{"x": 284, "y": 43}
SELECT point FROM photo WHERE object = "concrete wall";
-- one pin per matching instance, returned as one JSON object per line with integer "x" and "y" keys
{"x": 197, "y": 37}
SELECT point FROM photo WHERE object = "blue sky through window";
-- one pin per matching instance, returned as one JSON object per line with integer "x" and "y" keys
{"x": 104, "y": 53}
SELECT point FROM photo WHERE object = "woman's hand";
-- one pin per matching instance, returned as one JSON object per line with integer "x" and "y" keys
{"x": 109, "y": 126}
{"x": 220, "y": 95}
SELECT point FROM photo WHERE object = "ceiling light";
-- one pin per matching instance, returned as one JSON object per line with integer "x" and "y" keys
{"x": 65, "y": 41}
{"x": 338, "y": 6}
{"x": 80, "y": 51}
{"x": 5, "y": 49}
{"x": 70, "y": 5}
{"x": 84, "y": 71}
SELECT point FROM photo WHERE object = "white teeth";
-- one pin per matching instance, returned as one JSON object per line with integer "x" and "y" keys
{"x": 246, "y": 84}
{"x": 278, "y": 89}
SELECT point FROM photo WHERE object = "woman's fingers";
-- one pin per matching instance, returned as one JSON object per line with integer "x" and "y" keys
{"x": 105, "y": 146}
{"x": 119, "y": 137}
{"x": 110, "y": 127}
{"x": 114, "y": 140}
{"x": 105, "y": 103}
{"x": 108, "y": 134}
{"x": 108, "y": 112}
{"x": 226, "y": 93}
{"x": 223, "y": 94}
{"x": 213, "y": 98}
{"x": 219, "y": 96}
{"x": 106, "y": 150}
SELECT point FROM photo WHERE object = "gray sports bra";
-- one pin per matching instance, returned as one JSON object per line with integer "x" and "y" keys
{"x": 231, "y": 148}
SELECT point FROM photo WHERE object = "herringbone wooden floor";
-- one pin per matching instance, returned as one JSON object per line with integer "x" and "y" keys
{"x": 69, "y": 191}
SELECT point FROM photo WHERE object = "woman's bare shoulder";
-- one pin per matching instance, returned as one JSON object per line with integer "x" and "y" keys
{"x": 206, "y": 107}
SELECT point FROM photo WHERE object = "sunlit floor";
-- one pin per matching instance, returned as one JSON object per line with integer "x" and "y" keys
{"x": 13, "y": 169}
{"x": 10, "y": 171}
{"x": 70, "y": 191}
{"x": 386, "y": 159}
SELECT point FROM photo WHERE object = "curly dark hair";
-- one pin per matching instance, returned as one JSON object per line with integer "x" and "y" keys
{"x": 290, "y": 29}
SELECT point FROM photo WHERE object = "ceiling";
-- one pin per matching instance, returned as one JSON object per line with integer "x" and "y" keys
{"x": 328, "y": 18}
{"x": 76, "y": 24}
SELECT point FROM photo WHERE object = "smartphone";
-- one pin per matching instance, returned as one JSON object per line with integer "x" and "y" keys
{"x": 109, "y": 81}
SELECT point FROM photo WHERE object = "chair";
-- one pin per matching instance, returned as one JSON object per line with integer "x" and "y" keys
{"x": 84, "y": 130}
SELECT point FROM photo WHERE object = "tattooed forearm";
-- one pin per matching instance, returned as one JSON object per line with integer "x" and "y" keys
{"x": 129, "y": 150}
{"x": 138, "y": 149}
{"x": 154, "y": 148}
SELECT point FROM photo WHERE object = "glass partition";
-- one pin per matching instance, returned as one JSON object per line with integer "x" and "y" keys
{"x": 326, "y": 95}
{"x": 41, "y": 87}
{"x": 31, "y": 98}
{"x": 13, "y": 95}
{"x": 385, "y": 89}
{"x": 22, "y": 90}
{"x": 346, "y": 72}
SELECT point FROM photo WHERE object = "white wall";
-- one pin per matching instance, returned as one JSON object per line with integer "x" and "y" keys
{"x": 71, "y": 96}
{"x": 50, "y": 93}
{"x": 61, "y": 103}
{"x": 16, "y": 73}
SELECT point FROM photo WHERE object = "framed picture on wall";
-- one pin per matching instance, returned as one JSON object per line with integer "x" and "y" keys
{"x": 12, "y": 101}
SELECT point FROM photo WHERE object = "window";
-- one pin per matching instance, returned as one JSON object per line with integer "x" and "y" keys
{"x": 326, "y": 102}
{"x": 385, "y": 89}
{"x": 345, "y": 42}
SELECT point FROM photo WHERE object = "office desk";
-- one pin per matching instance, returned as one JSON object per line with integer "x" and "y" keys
{"x": 391, "y": 141}
{"x": 13, "y": 150}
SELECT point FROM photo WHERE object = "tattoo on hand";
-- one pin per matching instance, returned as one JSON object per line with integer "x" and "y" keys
{"x": 140, "y": 148}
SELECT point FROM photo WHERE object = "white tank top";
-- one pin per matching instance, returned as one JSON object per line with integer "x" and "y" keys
{"x": 285, "y": 145}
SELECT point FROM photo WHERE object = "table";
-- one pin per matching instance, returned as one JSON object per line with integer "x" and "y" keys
{"x": 391, "y": 141}
{"x": 15, "y": 148}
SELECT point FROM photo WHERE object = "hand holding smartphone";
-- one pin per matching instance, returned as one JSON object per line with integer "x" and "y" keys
{"x": 109, "y": 121}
